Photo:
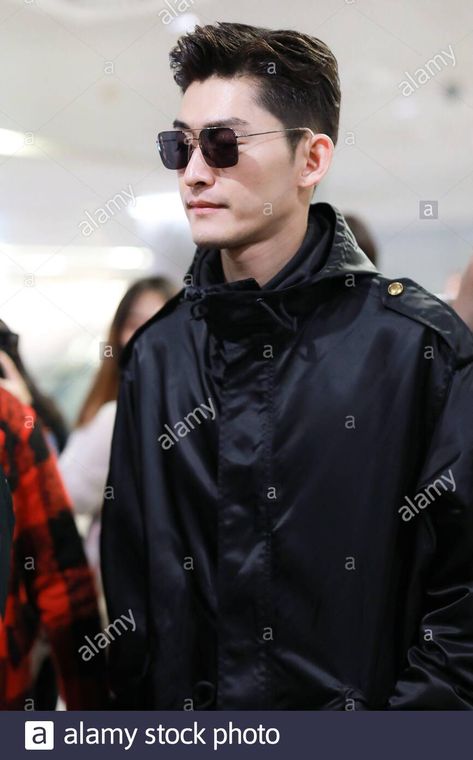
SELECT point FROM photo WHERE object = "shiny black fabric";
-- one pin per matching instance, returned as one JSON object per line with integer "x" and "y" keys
{"x": 264, "y": 553}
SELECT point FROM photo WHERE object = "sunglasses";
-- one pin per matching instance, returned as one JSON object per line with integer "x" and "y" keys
{"x": 219, "y": 146}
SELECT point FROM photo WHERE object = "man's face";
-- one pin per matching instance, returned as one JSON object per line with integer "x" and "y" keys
{"x": 258, "y": 194}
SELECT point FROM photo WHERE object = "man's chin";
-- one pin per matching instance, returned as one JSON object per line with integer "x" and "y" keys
{"x": 211, "y": 239}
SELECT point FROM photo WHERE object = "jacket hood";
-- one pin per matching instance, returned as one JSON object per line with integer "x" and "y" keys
{"x": 329, "y": 250}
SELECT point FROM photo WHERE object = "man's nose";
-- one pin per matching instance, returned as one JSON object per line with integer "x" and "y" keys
{"x": 198, "y": 170}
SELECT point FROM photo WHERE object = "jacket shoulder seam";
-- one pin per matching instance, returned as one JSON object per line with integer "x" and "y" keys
{"x": 422, "y": 306}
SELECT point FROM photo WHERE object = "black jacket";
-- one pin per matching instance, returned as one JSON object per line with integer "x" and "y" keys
{"x": 291, "y": 520}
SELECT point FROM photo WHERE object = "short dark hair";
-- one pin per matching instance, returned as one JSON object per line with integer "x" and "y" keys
{"x": 297, "y": 74}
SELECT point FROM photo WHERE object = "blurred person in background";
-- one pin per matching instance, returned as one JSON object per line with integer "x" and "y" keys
{"x": 463, "y": 302}
{"x": 50, "y": 583}
{"x": 363, "y": 237}
{"x": 15, "y": 378}
{"x": 84, "y": 461}
{"x": 7, "y": 521}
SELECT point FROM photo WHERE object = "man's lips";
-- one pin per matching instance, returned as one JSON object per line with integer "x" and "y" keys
{"x": 201, "y": 203}
{"x": 201, "y": 207}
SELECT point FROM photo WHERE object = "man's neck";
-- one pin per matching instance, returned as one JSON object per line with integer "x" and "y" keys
{"x": 263, "y": 260}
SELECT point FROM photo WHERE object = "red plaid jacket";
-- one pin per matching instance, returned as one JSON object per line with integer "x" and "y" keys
{"x": 50, "y": 582}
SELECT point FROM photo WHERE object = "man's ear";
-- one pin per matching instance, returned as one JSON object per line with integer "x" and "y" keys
{"x": 317, "y": 154}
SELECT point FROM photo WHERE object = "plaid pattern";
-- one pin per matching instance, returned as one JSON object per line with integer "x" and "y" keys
{"x": 7, "y": 522}
{"x": 50, "y": 583}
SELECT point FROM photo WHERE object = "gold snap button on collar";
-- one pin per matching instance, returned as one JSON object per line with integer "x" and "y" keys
{"x": 395, "y": 288}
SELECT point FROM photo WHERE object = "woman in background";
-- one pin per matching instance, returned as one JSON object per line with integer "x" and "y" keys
{"x": 84, "y": 461}
{"x": 15, "y": 378}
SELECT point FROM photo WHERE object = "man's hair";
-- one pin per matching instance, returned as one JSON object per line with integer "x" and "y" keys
{"x": 297, "y": 74}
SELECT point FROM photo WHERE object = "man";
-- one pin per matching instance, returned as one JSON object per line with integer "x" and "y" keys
{"x": 291, "y": 481}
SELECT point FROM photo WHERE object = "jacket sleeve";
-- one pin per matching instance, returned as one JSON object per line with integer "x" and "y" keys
{"x": 439, "y": 668}
{"x": 123, "y": 554}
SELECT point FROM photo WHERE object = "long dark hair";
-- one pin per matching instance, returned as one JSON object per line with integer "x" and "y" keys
{"x": 47, "y": 411}
{"x": 105, "y": 384}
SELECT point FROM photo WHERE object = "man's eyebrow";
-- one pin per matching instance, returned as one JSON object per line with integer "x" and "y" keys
{"x": 232, "y": 121}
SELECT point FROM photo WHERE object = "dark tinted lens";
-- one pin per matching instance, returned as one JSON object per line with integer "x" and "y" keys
{"x": 219, "y": 147}
{"x": 173, "y": 149}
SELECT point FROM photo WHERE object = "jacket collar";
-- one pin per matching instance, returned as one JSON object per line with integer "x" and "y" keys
{"x": 329, "y": 250}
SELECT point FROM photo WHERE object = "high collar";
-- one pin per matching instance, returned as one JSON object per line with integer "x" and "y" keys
{"x": 328, "y": 250}
{"x": 207, "y": 269}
